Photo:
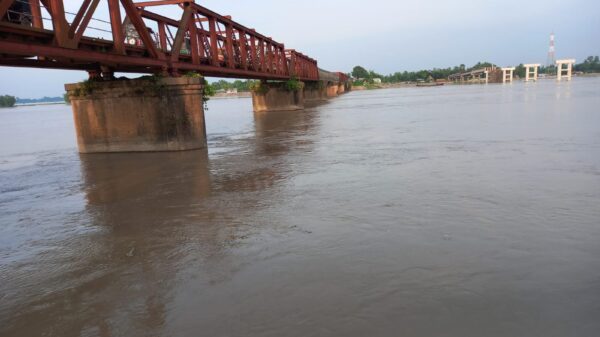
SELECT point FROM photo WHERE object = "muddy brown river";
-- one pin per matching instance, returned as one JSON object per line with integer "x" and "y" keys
{"x": 448, "y": 211}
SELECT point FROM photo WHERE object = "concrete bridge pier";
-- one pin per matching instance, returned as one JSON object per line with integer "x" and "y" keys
{"x": 507, "y": 74}
{"x": 315, "y": 91}
{"x": 332, "y": 89}
{"x": 564, "y": 68}
{"x": 140, "y": 115}
{"x": 531, "y": 72}
{"x": 277, "y": 96}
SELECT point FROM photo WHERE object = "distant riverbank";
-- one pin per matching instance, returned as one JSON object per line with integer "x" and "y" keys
{"x": 416, "y": 84}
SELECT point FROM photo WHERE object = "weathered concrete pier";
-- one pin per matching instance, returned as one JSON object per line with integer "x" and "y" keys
{"x": 291, "y": 95}
{"x": 155, "y": 114}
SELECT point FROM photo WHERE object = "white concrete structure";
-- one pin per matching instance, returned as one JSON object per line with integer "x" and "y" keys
{"x": 531, "y": 74}
{"x": 507, "y": 74}
{"x": 560, "y": 69}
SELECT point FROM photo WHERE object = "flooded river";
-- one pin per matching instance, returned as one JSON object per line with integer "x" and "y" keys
{"x": 448, "y": 211}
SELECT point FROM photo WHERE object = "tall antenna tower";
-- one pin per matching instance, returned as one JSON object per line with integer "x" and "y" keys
{"x": 551, "y": 52}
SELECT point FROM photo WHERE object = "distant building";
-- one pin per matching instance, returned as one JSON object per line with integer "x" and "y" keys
{"x": 377, "y": 80}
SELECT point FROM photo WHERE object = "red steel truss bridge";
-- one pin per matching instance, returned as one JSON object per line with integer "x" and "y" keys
{"x": 139, "y": 39}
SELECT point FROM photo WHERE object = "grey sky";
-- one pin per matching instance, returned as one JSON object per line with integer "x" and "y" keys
{"x": 388, "y": 36}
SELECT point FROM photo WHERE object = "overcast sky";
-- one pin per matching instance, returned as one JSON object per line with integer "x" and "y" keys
{"x": 387, "y": 36}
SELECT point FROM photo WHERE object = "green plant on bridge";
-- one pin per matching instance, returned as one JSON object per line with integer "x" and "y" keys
{"x": 207, "y": 89}
{"x": 85, "y": 88}
{"x": 259, "y": 88}
{"x": 293, "y": 84}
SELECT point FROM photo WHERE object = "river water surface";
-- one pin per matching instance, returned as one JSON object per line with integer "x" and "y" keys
{"x": 447, "y": 211}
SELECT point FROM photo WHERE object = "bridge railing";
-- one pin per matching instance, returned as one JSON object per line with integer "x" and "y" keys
{"x": 146, "y": 41}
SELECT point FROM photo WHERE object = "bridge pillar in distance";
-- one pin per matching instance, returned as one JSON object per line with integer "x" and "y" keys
{"x": 276, "y": 96}
{"x": 315, "y": 91}
{"x": 563, "y": 66}
{"x": 531, "y": 72}
{"x": 140, "y": 115}
{"x": 507, "y": 74}
{"x": 332, "y": 89}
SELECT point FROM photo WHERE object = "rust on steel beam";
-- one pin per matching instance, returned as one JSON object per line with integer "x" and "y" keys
{"x": 60, "y": 24}
{"x": 116, "y": 27}
{"x": 4, "y": 6}
{"x": 224, "y": 48}
{"x": 141, "y": 29}
{"x": 162, "y": 36}
{"x": 253, "y": 52}
{"x": 78, "y": 17}
{"x": 229, "y": 46}
{"x": 243, "y": 52}
{"x": 160, "y": 3}
{"x": 36, "y": 14}
{"x": 80, "y": 29}
{"x": 214, "y": 48}
{"x": 193, "y": 31}
{"x": 180, "y": 35}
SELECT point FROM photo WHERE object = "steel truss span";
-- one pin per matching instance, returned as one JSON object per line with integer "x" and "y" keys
{"x": 40, "y": 33}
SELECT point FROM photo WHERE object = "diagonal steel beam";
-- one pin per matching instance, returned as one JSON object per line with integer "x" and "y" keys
{"x": 141, "y": 29}
{"x": 4, "y": 6}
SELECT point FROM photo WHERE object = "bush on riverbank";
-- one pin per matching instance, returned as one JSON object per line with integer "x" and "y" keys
{"x": 7, "y": 101}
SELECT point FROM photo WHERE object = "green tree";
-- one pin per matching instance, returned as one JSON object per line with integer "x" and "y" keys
{"x": 7, "y": 101}
{"x": 589, "y": 65}
{"x": 66, "y": 98}
{"x": 520, "y": 71}
{"x": 360, "y": 72}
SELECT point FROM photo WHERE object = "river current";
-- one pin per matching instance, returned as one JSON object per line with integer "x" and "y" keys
{"x": 445, "y": 211}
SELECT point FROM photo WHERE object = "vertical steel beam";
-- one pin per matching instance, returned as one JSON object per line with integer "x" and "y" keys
{"x": 270, "y": 57}
{"x": 276, "y": 67}
{"x": 36, "y": 13}
{"x": 229, "y": 45}
{"x": 283, "y": 61}
{"x": 116, "y": 26}
{"x": 194, "y": 41}
{"x": 214, "y": 48}
{"x": 243, "y": 49}
{"x": 184, "y": 25}
{"x": 59, "y": 22}
{"x": 263, "y": 58}
{"x": 162, "y": 36}
{"x": 253, "y": 51}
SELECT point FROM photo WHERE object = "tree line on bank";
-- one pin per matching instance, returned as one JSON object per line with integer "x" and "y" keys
{"x": 362, "y": 75}
{"x": 8, "y": 101}
{"x": 240, "y": 85}
{"x": 590, "y": 65}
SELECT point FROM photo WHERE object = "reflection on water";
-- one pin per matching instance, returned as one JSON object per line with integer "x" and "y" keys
{"x": 463, "y": 211}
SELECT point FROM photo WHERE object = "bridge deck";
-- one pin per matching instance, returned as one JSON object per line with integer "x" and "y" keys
{"x": 200, "y": 41}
